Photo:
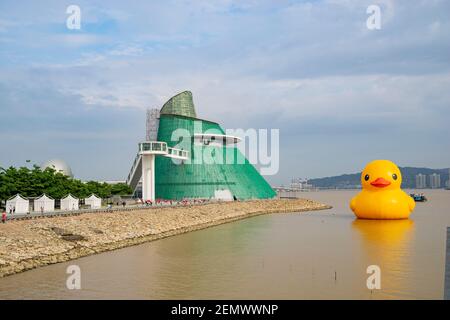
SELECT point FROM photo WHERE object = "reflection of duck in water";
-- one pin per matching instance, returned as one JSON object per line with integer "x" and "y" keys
{"x": 388, "y": 244}
{"x": 383, "y": 232}
{"x": 381, "y": 196}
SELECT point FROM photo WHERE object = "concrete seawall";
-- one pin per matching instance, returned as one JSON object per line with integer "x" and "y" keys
{"x": 28, "y": 244}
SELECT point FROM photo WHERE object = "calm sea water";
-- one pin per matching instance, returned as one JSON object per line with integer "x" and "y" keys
{"x": 317, "y": 255}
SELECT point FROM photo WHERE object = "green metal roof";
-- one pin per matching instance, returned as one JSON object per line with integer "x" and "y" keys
{"x": 201, "y": 180}
{"x": 181, "y": 104}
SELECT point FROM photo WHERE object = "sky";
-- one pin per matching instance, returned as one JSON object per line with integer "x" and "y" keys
{"x": 340, "y": 94}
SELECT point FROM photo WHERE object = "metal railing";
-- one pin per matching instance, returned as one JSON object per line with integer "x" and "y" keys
{"x": 153, "y": 146}
{"x": 133, "y": 167}
{"x": 157, "y": 147}
{"x": 178, "y": 152}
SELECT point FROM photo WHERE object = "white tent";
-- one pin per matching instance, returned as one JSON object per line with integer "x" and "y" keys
{"x": 69, "y": 203}
{"x": 44, "y": 204}
{"x": 94, "y": 201}
{"x": 18, "y": 204}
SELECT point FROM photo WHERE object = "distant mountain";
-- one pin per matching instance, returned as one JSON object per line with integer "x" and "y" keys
{"x": 349, "y": 181}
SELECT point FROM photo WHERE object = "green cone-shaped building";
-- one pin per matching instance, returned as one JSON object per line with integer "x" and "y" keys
{"x": 215, "y": 167}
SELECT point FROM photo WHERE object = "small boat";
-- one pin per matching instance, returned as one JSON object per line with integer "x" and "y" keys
{"x": 418, "y": 197}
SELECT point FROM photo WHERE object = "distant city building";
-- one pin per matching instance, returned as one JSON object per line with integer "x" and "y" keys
{"x": 448, "y": 181}
{"x": 300, "y": 184}
{"x": 435, "y": 181}
{"x": 294, "y": 190}
{"x": 421, "y": 181}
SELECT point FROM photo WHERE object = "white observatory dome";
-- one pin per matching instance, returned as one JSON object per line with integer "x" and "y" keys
{"x": 58, "y": 165}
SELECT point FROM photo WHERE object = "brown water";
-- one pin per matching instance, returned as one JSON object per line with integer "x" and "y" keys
{"x": 316, "y": 255}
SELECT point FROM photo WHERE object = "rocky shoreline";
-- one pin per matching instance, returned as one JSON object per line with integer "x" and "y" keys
{"x": 28, "y": 244}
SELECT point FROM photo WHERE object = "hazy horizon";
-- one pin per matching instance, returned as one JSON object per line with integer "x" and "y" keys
{"x": 340, "y": 94}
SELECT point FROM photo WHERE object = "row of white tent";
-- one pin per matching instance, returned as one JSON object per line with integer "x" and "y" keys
{"x": 44, "y": 203}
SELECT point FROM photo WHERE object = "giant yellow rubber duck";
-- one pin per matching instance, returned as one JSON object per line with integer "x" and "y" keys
{"x": 381, "y": 196}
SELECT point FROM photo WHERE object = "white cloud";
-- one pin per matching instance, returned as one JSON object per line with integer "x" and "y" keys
{"x": 76, "y": 40}
{"x": 127, "y": 51}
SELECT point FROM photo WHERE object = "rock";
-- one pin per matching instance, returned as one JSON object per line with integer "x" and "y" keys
{"x": 73, "y": 237}
{"x": 60, "y": 231}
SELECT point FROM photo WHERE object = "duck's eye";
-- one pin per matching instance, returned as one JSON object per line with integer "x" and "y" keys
{"x": 366, "y": 177}
{"x": 394, "y": 176}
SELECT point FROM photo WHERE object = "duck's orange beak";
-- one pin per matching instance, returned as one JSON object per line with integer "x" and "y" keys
{"x": 380, "y": 183}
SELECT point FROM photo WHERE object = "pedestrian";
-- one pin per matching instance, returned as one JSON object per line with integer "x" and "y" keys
{"x": 123, "y": 204}
{"x": 4, "y": 217}
{"x": 14, "y": 210}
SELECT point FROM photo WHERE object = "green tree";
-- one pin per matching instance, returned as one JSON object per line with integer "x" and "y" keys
{"x": 35, "y": 182}
{"x": 121, "y": 189}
